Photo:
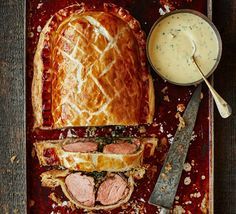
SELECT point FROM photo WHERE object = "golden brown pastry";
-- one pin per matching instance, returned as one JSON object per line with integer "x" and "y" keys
{"x": 90, "y": 70}
{"x": 92, "y": 191}
{"x": 81, "y": 154}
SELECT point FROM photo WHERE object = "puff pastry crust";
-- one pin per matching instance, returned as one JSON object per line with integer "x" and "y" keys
{"x": 51, "y": 153}
{"x": 55, "y": 178}
{"x": 90, "y": 70}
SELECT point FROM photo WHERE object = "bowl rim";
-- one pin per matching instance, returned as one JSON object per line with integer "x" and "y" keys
{"x": 197, "y": 13}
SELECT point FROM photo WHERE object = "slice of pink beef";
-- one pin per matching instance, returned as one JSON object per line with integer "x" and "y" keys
{"x": 81, "y": 147}
{"x": 111, "y": 190}
{"x": 120, "y": 148}
{"x": 81, "y": 187}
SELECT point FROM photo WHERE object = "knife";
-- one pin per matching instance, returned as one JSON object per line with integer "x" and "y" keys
{"x": 167, "y": 183}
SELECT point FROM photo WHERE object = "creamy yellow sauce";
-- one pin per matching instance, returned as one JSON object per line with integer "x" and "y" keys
{"x": 171, "y": 46}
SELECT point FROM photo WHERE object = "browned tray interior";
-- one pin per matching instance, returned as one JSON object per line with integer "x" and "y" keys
{"x": 191, "y": 197}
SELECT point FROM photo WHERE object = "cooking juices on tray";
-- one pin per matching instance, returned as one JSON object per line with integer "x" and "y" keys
{"x": 171, "y": 46}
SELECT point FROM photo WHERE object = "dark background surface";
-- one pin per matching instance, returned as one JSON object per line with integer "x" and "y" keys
{"x": 224, "y": 16}
{"x": 12, "y": 106}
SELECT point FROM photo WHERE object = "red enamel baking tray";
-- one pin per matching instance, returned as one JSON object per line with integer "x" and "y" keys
{"x": 195, "y": 192}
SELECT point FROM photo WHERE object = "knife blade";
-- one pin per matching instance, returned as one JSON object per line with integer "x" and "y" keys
{"x": 167, "y": 183}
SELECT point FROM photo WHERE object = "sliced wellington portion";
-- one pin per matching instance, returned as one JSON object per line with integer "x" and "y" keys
{"x": 97, "y": 154}
{"x": 92, "y": 191}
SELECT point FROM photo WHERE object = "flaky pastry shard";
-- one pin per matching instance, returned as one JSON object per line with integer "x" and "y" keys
{"x": 90, "y": 70}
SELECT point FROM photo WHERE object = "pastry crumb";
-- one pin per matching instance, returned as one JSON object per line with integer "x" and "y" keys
{"x": 31, "y": 203}
{"x": 39, "y": 29}
{"x": 166, "y": 98}
{"x": 91, "y": 132}
{"x": 187, "y": 181}
{"x": 30, "y": 34}
{"x": 195, "y": 195}
{"x": 180, "y": 107}
{"x": 187, "y": 167}
{"x": 176, "y": 198}
{"x": 204, "y": 204}
{"x": 188, "y": 202}
{"x": 33, "y": 152}
{"x": 61, "y": 203}
{"x": 166, "y": 9}
{"x": 61, "y": 136}
{"x": 181, "y": 121}
{"x": 170, "y": 138}
{"x": 153, "y": 135}
{"x": 13, "y": 158}
{"x": 161, "y": 11}
{"x": 161, "y": 128}
{"x": 64, "y": 203}
{"x": 151, "y": 145}
{"x": 193, "y": 136}
{"x": 70, "y": 134}
{"x": 138, "y": 174}
{"x": 164, "y": 90}
{"x": 201, "y": 96}
{"x": 163, "y": 142}
{"x": 142, "y": 129}
{"x": 154, "y": 124}
{"x": 178, "y": 210}
{"x": 39, "y": 5}
{"x": 177, "y": 115}
{"x": 55, "y": 198}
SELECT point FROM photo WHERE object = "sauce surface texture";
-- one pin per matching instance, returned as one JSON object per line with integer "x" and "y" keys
{"x": 171, "y": 47}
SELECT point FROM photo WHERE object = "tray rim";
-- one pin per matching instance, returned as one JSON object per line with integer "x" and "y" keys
{"x": 211, "y": 117}
{"x": 211, "y": 129}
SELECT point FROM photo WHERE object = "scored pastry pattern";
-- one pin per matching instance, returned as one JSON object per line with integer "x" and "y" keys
{"x": 95, "y": 64}
{"x": 81, "y": 56}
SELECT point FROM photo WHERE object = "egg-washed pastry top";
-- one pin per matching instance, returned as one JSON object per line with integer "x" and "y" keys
{"x": 90, "y": 70}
